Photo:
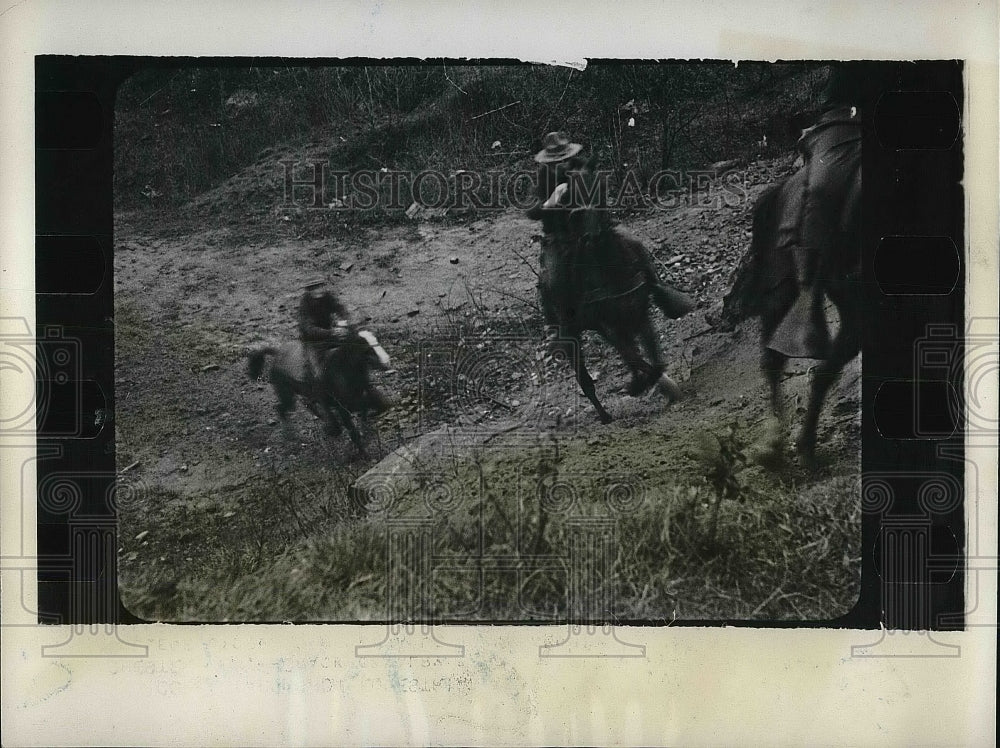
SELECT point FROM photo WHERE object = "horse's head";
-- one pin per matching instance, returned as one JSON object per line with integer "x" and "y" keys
{"x": 578, "y": 199}
{"x": 558, "y": 198}
{"x": 375, "y": 353}
{"x": 575, "y": 185}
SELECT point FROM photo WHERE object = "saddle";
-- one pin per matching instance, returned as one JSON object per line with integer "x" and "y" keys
{"x": 311, "y": 362}
{"x": 595, "y": 270}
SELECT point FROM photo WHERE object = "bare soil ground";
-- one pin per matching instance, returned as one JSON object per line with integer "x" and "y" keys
{"x": 222, "y": 495}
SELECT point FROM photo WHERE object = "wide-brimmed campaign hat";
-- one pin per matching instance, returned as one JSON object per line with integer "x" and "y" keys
{"x": 313, "y": 284}
{"x": 557, "y": 148}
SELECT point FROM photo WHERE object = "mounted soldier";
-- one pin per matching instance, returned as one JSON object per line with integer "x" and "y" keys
{"x": 594, "y": 278}
{"x": 566, "y": 178}
{"x": 831, "y": 194}
{"x": 323, "y": 325}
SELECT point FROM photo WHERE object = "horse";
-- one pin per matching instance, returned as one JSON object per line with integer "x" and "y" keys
{"x": 343, "y": 381}
{"x": 767, "y": 287}
{"x": 607, "y": 283}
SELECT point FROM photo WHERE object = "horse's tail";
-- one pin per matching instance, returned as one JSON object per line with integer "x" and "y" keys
{"x": 633, "y": 253}
{"x": 672, "y": 302}
{"x": 257, "y": 359}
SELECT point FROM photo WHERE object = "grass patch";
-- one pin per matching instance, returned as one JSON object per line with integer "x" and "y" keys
{"x": 509, "y": 538}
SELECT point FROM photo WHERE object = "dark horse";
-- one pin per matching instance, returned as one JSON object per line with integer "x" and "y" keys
{"x": 344, "y": 381}
{"x": 767, "y": 287}
{"x": 602, "y": 280}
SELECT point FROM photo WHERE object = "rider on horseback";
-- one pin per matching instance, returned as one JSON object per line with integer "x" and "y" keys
{"x": 323, "y": 325}
{"x": 831, "y": 150}
{"x": 561, "y": 163}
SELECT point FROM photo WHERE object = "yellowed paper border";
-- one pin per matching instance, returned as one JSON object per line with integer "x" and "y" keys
{"x": 284, "y": 685}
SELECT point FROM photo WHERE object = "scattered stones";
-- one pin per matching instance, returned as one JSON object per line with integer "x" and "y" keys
{"x": 129, "y": 467}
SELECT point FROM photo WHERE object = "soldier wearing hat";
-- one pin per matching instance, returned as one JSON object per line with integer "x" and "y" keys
{"x": 557, "y": 161}
{"x": 831, "y": 150}
{"x": 323, "y": 324}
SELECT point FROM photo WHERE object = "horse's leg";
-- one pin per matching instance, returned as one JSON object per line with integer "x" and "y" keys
{"x": 331, "y": 421}
{"x": 644, "y": 375}
{"x": 769, "y": 450}
{"x": 773, "y": 364}
{"x": 286, "y": 401}
{"x": 583, "y": 377}
{"x": 647, "y": 336}
{"x": 374, "y": 401}
{"x": 845, "y": 346}
{"x": 339, "y": 413}
{"x": 772, "y": 444}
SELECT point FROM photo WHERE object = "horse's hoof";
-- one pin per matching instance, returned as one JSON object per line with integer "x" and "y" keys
{"x": 639, "y": 384}
{"x": 668, "y": 388}
{"x": 605, "y": 418}
{"x": 768, "y": 455}
{"x": 807, "y": 455}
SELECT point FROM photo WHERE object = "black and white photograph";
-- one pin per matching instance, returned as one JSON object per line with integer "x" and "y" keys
{"x": 498, "y": 373}
{"x": 443, "y": 341}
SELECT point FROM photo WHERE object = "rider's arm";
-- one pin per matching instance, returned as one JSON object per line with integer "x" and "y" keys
{"x": 340, "y": 330}
{"x": 308, "y": 329}
{"x": 338, "y": 310}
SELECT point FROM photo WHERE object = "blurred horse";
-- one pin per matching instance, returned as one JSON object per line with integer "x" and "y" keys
{"x": 594, "y": 278}
{"x": 343, "y": 385}
{"x": 766, "y": 287}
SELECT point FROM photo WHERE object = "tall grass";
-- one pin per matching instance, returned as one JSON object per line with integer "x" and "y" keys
{"x": 501, "y": 552}
{"x": 182, "y": 130}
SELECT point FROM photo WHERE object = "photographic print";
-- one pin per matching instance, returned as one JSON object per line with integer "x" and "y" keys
{"x": 513, "y": 354}
{"x": 427, "y": 341}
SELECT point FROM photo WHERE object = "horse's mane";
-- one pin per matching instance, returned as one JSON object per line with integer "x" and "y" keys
{"x": 360, "y": 343}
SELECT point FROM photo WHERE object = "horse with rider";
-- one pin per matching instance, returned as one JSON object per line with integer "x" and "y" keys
{"x": 328, "y": 367}
{"x": 593, "y": 277}
{"x": 806, "y": 247}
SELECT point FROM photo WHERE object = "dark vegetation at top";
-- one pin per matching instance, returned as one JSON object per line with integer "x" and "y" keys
{"x": 182, "y": 131}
